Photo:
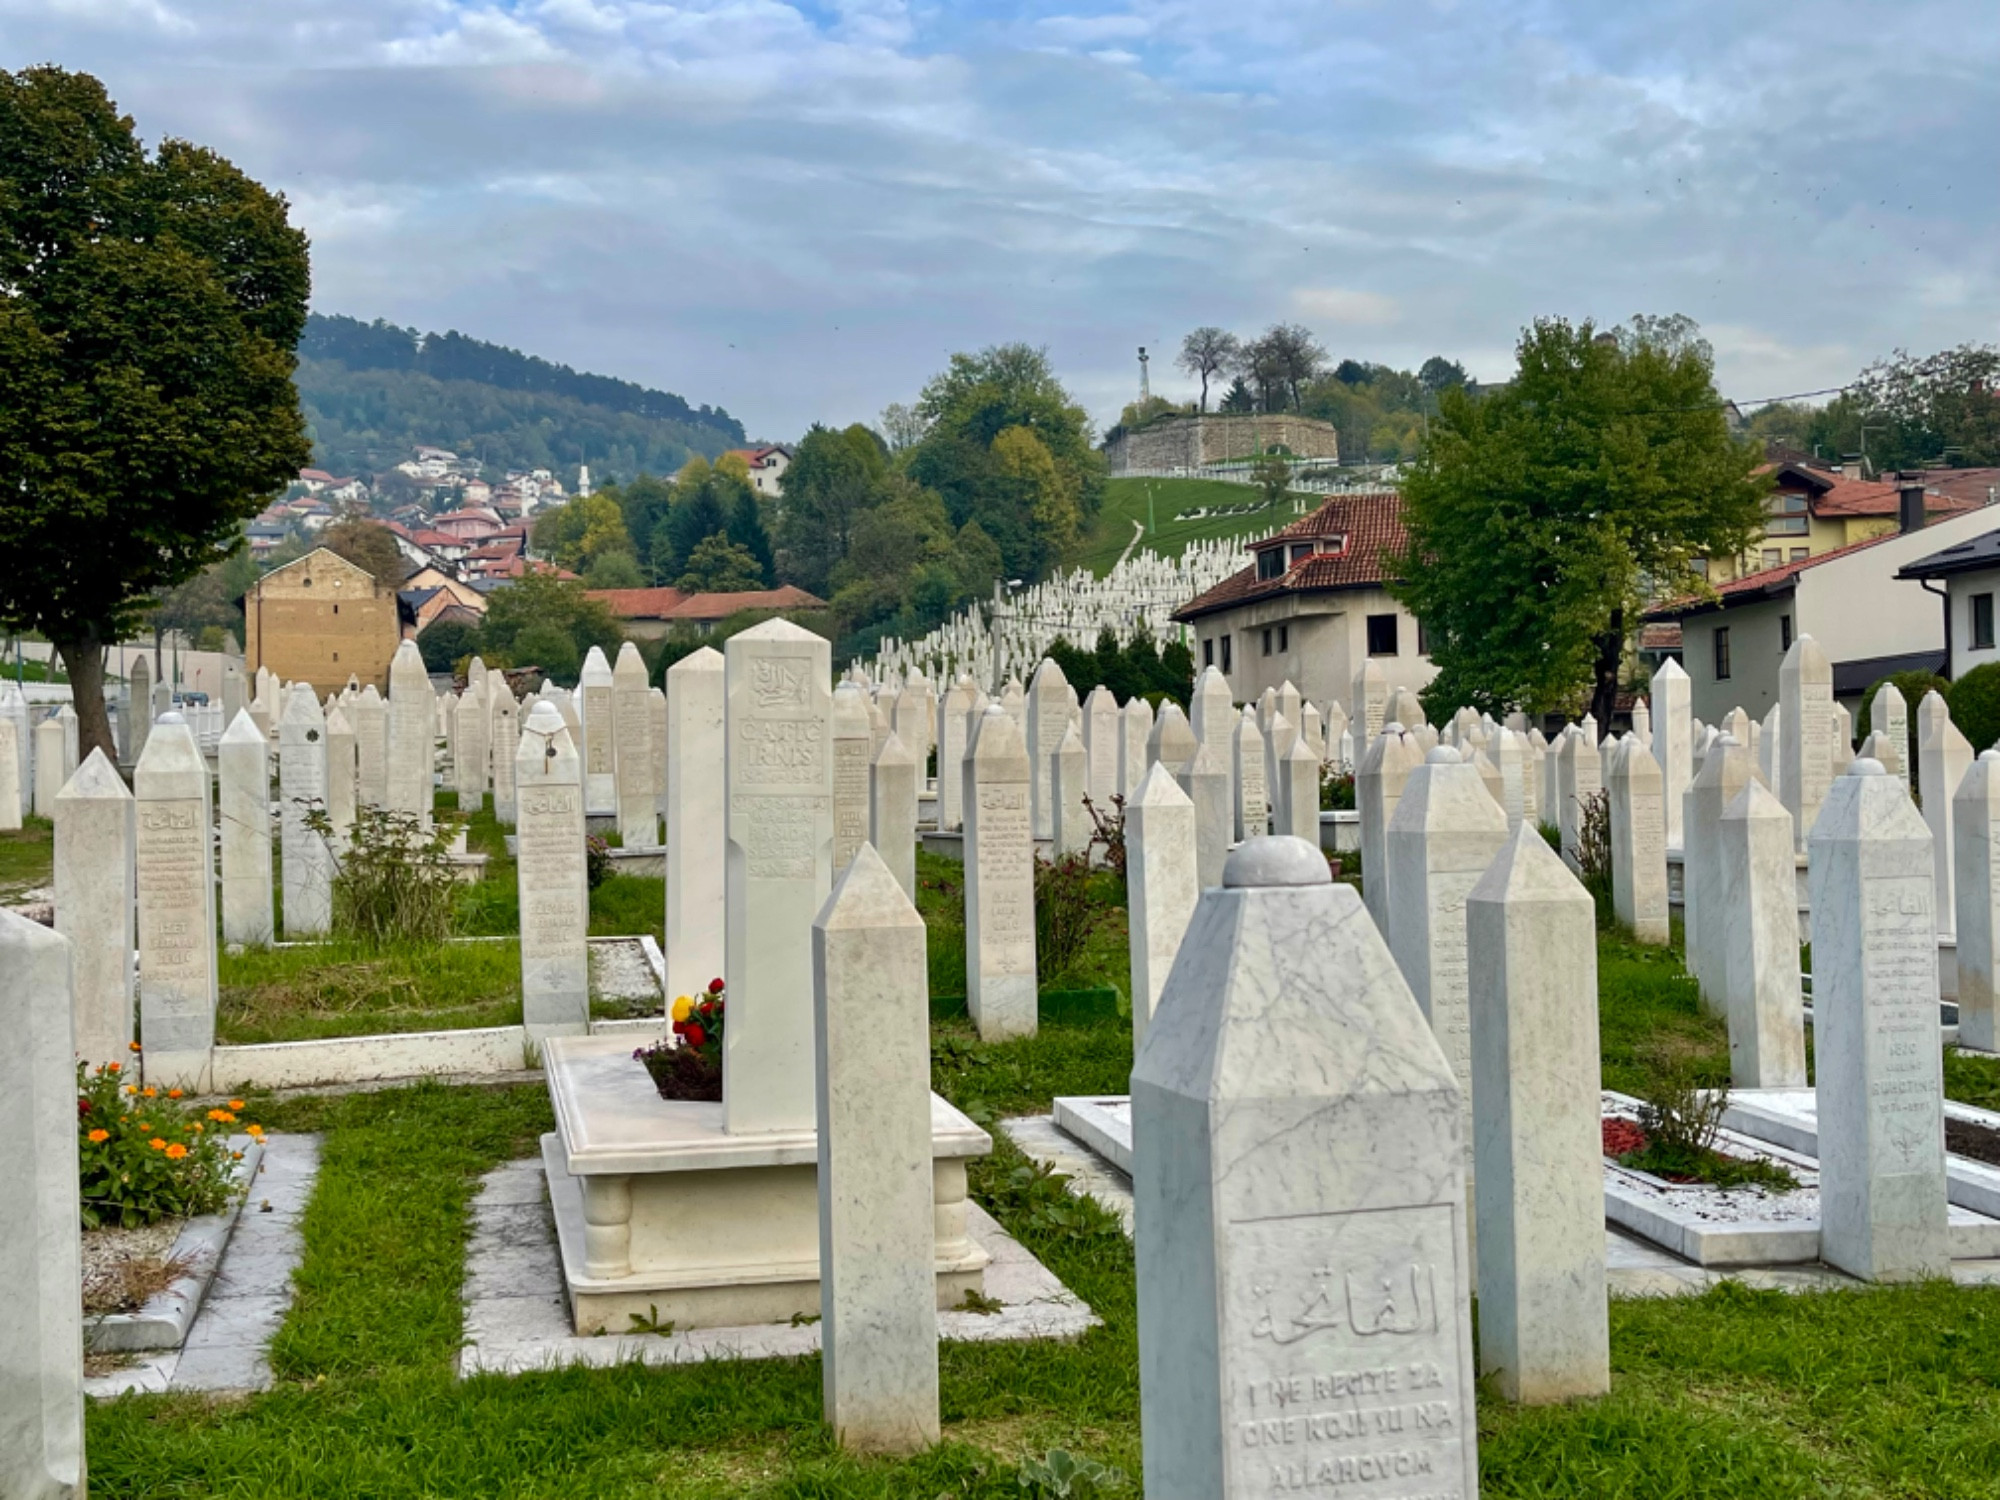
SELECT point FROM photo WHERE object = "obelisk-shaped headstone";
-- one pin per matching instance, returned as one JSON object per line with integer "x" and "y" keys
{"x": 1877, "y": 1065}
{"x": 1760, "y": 959}
{"x": 1000, "y": 987}
{"x": 1172, "y": 742}
{"x": 1725, "y": 770}
{"x": 472, "y": 722}
{"x": 41, "y": 1261}
{"x": 1378, "y": 785}
{"x": 1135, "y": 734}
{"x": 139, "y": 702}
{"x": 1673, "y": 743}
{"x": 243, "y": 767}
{"x": 11, "y": 810}
{"x": 656, "y": 730}
{"x": 94, "y": 852}
{"x": 1370, "y": 702}
{"x": 1100, "y": 747}
{"x": 1299, "y": 1200}
{"x": 1944, "y": 756}
{"x": 342, "y": 777}
{"x": 1889, "y": 721}
{"x": 304, "y": 858}
{"x": 506, "y": 722}
{"x": 854, "y": 746}
{"x": 1805, "y": 728}
{"x": 1975, "y": 886}
{"x": 1253, "y": 802}
{"x": 697, "y": 795}
{"x": 555, "y": 884}
{"x": 632, "y": 745}
{"x": 1205, "y": 779}
{"x": 1161, "y": 886}
{"x": 49, "y": 776}
{"x": 952, "y": 709}
{"x": 779, "y": 746}
{"x": 892, "y": 811}
{"x": 1298, "y": 775}
{"x": 371, "y": 747}
{"x": 412, "y": 735}
{"x": 1048, "y": 717}
{"x": 1069, "y": 790}
{"x": 176, "y": 890}
{"x": 596, "y": 707}
{"x": 877, "y": 1235}
{"x": 1531, "y": 942}
{"x": 1639, "y": 844}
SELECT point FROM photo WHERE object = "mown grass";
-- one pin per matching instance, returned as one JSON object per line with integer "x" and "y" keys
{"x": 1103, "y": 960}
{"x": 349, "y": 989}
{"x": 27, "y": 858}
{"x": 1126, "y": 501}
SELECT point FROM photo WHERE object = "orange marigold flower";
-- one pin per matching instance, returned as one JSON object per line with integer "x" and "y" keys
{"x": 150, "y": 1093}
{"x": 236, "y": 1156}
{"x": 113, "y": 1068}
{"x": 198, "y": 1127}
{"x": 99, "y": 1137}
{"x": 255, "y": 1130}
{"x": 235, "y": 1103}
{"x": 221, "y": 1116}
{"x": 176, "y": 1151}
{"x": 131, "y": 1088}
{"x": 157, "y": 1144}
{"x": 174, "y": 1093}
{"x": 133, "y": 1045}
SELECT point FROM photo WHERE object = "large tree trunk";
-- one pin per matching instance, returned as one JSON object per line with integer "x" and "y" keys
{"x": 83, "y": 659}
{"x": 1610, "y": 656}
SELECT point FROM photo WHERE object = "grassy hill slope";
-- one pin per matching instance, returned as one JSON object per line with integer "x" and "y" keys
{"x": 1154, "y": 503}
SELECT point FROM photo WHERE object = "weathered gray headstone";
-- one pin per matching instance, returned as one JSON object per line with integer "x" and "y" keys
{"x": 554, "y": 879}
{"x": 95, "y": 847}
{"x": 176, "y": 892}
{"x": 243, "y": 766}
{"x": 778, "y": 735}
{"x": 877, "y": 1235}
{"x": 1531, "y": 939}
{"x": 1299, "y": 1200}
{"x": 697, "y": 798}
{"x": 1161, "y": 886}
{"x": 1878, "y": 1071}
{"x": 1760, "y": 960}
{"x": 1000, "y": 986}
{"x": 41, "y": 1260}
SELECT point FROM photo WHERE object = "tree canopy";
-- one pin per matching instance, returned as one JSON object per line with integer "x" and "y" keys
{"x": 540, "y": 620}
{"x": 149, "y": 309}
{"x": 367, "y": 544}
{"x": 1904, "y": 412}
{"x": 1543, "y": 516}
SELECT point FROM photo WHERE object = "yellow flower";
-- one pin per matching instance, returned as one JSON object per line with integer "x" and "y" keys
{"x": 133, "y": 1045}
{"x": 221, "y": 1116}
{"x": 157, "y": 1144}
{"x": 198, "y": 1127}
{"x": 176, "y": 1151}
{"x": 256, "y": 1131}
{"x": 99, "y": 1137}
{"x": 683, "y": 1008}
{"x": 131, "y": 1088}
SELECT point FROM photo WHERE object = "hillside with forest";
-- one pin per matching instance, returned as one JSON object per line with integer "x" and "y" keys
{"x": 372, "y": 392}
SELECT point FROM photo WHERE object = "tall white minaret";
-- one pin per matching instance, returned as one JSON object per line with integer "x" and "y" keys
{"x": 583, "y": 479}
{"x": 1145, "y": 383}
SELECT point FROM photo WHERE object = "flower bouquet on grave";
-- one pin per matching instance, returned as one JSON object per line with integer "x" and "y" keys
{"x": 688, "y": 1063}
{"x": 144, "y": 1156}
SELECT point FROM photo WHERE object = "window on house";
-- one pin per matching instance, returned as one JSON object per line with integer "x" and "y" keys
{"x": 336, "y": 609}
{"x": 1225, "y": 652}
{"x": 1271, "y": 562}
{"x": 1284, "y": 638}
{"x": 1699, "y": 567}
{"x": 1786, "y": 525}
{"x": 1300, "y": 552}
{"x": 336, "y": 656}
{"x": 1423, "y": 639}
{"x": 1784, "y": 632}
{"x": 1800, "y": 554}
{"x": 1381, "y": 635}
{"x": 1773, "y": 556}
{"x": 1267, "y": 643}
{"x": 1722, "y": 653}
{"x": 1208, "y": 652}
{"x": 1982, "y": 622}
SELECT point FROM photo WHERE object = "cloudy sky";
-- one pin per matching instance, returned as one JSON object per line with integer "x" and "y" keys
{"x": 798, "y": 210}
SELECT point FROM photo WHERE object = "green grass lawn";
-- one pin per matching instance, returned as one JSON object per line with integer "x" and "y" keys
{"x": 333, "y": 989}
{"x": 1127, "y": 501}
{"x": 27, "y": 858}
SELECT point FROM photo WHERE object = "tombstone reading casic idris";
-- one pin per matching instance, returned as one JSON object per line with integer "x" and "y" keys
{"x": 1761, "y": 996}
{"x": 94, "y": 851}
{"x": 1531, "y": 939}
{"x": 877, "y": 1237}
{"x": 1877, "y": 1066}
{"x": 697, "y": 796}
{"x": 1161, "y": 886}
{"x": 41, "y": 1262}
{"x": 304, "y": 858}
{"x": 1299, "y": 1200}
{"x": 854, "y": 746}
{"x": 554, "y": 880}
{"x": 778, "y": 747}
{"x": 1000, "y": 991}
{"x": 892, "y": 810}
{"x": 632, "y": 741}
{"x": 176, "y": 893}
{"x": 243, "y": 763}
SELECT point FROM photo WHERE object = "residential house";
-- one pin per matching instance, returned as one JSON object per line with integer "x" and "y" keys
{"x": 1313, "y": 606}
{"x": 1814, "y": 509}
{"x": 314, "y": 480}
{"x": 650, "y": 614}
{"x": 1963, "y": 578}
{"x": 1848, "y": 599}
{"x": 321, "y": 619}
{"x": 471, "y": 524}
{"x": 767, "y": 466}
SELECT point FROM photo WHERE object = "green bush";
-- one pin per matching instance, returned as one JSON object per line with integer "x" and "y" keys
{"x": 144, "y": 1155}
{"x": 396, "y": 882}
{"x": 1975, "y": 705}
{"x": 447, "y": 642}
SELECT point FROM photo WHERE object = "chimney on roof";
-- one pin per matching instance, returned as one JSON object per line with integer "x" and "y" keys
{"x": 1910, "y": 505}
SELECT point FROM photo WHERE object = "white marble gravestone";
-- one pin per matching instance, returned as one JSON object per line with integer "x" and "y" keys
{"x": 1071, "y": 825}
{"x": 1878, "y": 1072}
{"x": 506, "y": 724}
{"x": 1205, "y": 779}
{"x": 95, "y": 845}
{"x": 632, "y": 746}
{"x": 1253, "y": 806}
{"x": 472, "y": 722}
{"x": 11, "y": 809}
{"x": 1378, "y": 786}
{"x": 877, "y": 1239}
{"x": 1172, "y": 741}
{"x": 1725, "y": 771}
{"x": 1639, "y": 844}
{"x": 1673, "y": 742}
{"x": 175, "y": 877}
{"x": 892, "y": 810}
{"x": 371, "y": 747}
{"x": 952, "y": 709}
{"x": 697, "y": 797}
{"x": 139, "y": 708}
{"x": 1135, "y": 734}
{"x": 49, "y": 775}
{"x": 1531, "y": 941}
{"x": 1975, "y": 854}
{"x": 1161, "y": 886}
{"x": 1805, "y": 728}
{"x": 1100, "y": 746}
{"x": 1761, "y": 997}
{"x": 1048, "y": 717}
{"x": 342, "y": 777}
{"x": 596, "y": 700}
{"x": 656, "y": 730}
{"x": 1889, "y": 721}
{"x": 304, "y": 857}
{"x": 1299, "y": 1200}
{"x": 412, "y": 735}
{"x": 41, "y": 1262}
{"x": 1211, "y": 707}
{"x": 854, "y": 746}
{"x": 1370, "y": 702}
{"x": 1000, "y": 987}
{"x": 1944, "y": 756}
{"x": 554, "y": 879}
{"x": 1298, "y": 775}
{"x": 243, "y": 761}
{"x": 778, "y": 746}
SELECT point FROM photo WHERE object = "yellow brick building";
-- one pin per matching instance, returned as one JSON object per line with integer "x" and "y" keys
{"x": 322, "y": 620}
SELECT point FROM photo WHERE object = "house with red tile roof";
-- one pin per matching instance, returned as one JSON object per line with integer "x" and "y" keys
{"x": 1313, "y": 606}
{"x": 1850, "y": 599}
{"x": 767, "y": 466}
{"x": 650, "y": 614}
{"x": 1812, "y": 510}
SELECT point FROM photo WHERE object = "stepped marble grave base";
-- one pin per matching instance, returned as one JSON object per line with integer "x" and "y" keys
{"x": 1790, "y": 1118}
{"x": 1707, "y": 1226}
{"x": 662, "y": 1215}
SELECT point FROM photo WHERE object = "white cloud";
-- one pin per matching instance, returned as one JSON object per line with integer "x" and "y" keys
{"x": 1345, "y": 306}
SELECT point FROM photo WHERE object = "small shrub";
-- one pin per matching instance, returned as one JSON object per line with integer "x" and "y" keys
{"x": 396, "y": 882}
{"x": 144, "y": 1155}
{"x": 1551, "y": 835}
{"x": 1108, "y": 832}
{"x": 1975, "y": 705}
{"x": 596, "y": 859}
{"x": 1064, "y": 913}
{"x": 1913, "y": 686}
{"x": 1063, "y": 1475}
{"x": 1593, "y": 852}
{"x": 1681, "y": 1121}
{"x": 1336, "y": 789}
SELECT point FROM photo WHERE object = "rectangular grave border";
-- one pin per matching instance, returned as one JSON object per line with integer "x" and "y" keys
{"x": 164, "y": 1321}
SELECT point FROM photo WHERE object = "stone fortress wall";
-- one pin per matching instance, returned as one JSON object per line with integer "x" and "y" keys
{"x": 1194, "y": 442}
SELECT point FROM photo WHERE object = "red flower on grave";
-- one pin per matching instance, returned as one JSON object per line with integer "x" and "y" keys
{"x": 694, "y": 1034}
{"x": 715, "y": 986}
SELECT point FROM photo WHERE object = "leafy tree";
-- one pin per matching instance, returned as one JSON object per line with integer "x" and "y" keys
{"x": 1438, "y": 374}
{"x": 1044, "y": 492}
{"x": 444, "y": 643}
{"x": 615, "y": 570}
{"x": 1139, "y": 414}
{"x": 1239, "y": 398}
{"x": 550, "y": 647}
{"x": 369, "y": 545}
{"x": 1543, "y": 516}
{"x": 643, "y": 502}
{"x": 548, "y": 606}
{"x": 1271, "y": 474}
{"x": 720, "y": 566}
{"x": 576, "y": 534}
{"x": 902, "y": 427}
{"x": 700, "y": 509}
{"x": 1141, "y": 669}
{"x": 834, "y": 476}
{"x": 149, "y": 307}
{"x": 746, "y": 530}
{"x": 1975, "y": 704}
{"x": 1208, "y": 353}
